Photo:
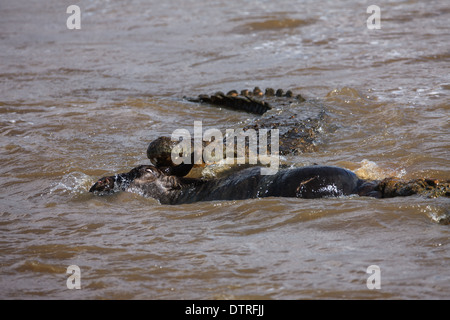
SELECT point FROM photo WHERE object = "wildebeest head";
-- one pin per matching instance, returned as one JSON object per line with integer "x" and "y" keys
{"x": 104, "y": 185}
{"x": 117, "y": 182}
{"x": 145, "y": 179}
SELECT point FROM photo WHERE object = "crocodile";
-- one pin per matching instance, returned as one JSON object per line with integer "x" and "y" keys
{"x": 298, "y": 133}
{"x": 248, "y": 101}
{"x": 171, "y": 183}
{"x": 301, "y": 182}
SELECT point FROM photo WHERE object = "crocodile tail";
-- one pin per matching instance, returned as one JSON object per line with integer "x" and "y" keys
{"x": 235, "y": 102}
{"x": 247, "y": 100}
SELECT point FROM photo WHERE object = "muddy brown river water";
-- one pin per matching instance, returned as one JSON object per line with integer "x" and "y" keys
{"x": 79, "y": 104}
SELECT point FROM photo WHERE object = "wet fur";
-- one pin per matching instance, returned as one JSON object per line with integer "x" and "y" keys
{"x": 306, "y": 182}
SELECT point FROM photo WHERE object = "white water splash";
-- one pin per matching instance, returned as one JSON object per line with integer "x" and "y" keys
{"x": 331, "y": 190}
{"x": 437, "y": 214}
{"x": 72, "y": 183}
{"x": 372, "y": 171}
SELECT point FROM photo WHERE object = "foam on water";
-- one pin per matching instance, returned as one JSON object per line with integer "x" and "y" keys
{"x": 74, "y": 183}
{"x": 370, "y": 170}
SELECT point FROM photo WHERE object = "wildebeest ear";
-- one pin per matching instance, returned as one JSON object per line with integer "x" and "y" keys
{"x": 151, "y": 170}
